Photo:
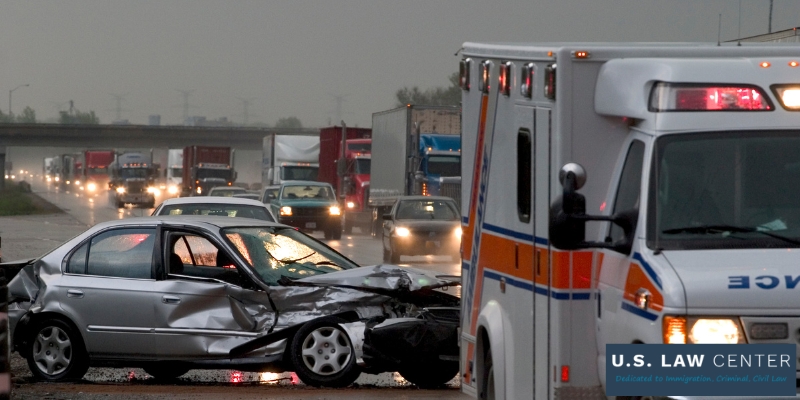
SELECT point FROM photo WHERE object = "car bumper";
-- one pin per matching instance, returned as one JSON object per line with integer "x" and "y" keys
{"x": 423, "y": 245}
{"x": 312, "y": 223}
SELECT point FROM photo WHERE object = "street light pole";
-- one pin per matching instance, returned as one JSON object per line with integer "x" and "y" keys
{"x": 9, "y": 96}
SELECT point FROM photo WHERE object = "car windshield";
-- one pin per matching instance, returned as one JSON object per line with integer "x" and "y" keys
{"x": 295, "y": 173}
{"x": 427, "y": 210}
{"x": 308, "y": 192}
{"x": 219, "y": 173}
{"x": 225, "y": 210}
{"x": 280, "y": 252}
{"x": 359, "y": 146}
{"x": 725, "y": 190}
{"x": 444, "y": 165}
{"x": 133, "y": 173}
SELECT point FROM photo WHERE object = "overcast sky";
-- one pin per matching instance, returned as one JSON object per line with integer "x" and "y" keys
{"x": 294, "y": 57}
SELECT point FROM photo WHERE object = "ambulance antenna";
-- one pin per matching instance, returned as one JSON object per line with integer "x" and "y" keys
{"x": 458, "y": 51}
{"x": 719, "y": 30}
{"x": 739, "y": 35}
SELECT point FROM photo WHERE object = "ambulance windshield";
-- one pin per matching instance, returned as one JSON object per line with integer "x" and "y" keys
{"x": 725, "y": 190}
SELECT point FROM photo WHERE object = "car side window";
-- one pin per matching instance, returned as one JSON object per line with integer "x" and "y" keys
{"x": 120, "y": 253}
{"x": 194, "y": 256}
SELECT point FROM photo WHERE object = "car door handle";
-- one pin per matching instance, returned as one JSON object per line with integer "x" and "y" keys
{"x": 75, "y": 293}
{"x": 170, "y": 299}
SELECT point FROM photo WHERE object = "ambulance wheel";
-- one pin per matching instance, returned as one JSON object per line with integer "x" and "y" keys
{"x": 430, "y": 374}
{"x": 487, "y": 392}
{"x": 323, "y": 355}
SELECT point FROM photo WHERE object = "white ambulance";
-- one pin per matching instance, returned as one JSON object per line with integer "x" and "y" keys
{"x": 623, "y": 193}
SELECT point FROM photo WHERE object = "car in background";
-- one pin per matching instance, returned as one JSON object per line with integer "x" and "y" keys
{"x": 226, "y": 191}
{"x": 309, "y": 206}
{"x": 270, "y": 193}
{"x": 419, "y": 225}
{"x": 171, "y": 294}
{"x": 248, "y": 195}
{"x": 221, "y": 206}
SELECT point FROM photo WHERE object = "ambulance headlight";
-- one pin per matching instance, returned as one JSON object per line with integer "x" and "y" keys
{"x": 680, "y": 330}
{"x": 91, "y": 186}
{"x": 402, "y": 231}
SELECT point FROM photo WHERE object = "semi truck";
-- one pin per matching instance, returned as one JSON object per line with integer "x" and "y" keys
{"x": 132, "y": 179}
{"x": 95, "y": 170}
{"x": 622, "y": 194}
{"x": 205, "y": 167}
{"x": 47, "y": 169}
{"x": 419, "y": 148}
{"x": 348, "y": 172}
{"x": 67, "y": 170}
{"x": 173, "y": 174}
{"x": 289, "y": 157}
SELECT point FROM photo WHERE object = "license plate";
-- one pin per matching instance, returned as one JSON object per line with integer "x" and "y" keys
{"x": 311, "y": 225}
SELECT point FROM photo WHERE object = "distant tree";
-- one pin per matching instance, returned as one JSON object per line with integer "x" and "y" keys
{"x": 28, "y": 116}
{"x": 5, "y": 118}
{"x": 290, "y": 123}
{"x": 441, "y": 96}
{"x": 78, "y": 117}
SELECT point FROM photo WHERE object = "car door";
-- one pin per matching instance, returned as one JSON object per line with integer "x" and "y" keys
{"x": 107, "y": 289}
{"x": 207, "y": 304}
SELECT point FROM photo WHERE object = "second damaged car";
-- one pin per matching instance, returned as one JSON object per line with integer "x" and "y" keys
{"x": 170, "y": 294}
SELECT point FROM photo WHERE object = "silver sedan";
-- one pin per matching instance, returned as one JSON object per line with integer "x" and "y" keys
{"x": 170, "y": 294}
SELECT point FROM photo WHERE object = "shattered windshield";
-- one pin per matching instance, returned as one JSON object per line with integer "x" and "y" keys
{"x": 725, "y": 190}
{"x": 276, "y": 253}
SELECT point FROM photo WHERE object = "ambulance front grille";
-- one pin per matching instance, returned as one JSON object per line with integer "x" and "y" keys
{"x": 792, "y": 332}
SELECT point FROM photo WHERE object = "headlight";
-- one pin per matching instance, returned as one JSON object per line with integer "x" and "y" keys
{"x": 57, "y": 178}
{"x": 173, "y": 189}
{"x": 402, "y": 232}
{"x": 458, "y": 232}
{"x": 199, "y": 190}
{"x": 120, "y": 189}
{"x": 154, "y": 191}
{"x": 350, "y": 204}
{"x": 91, "y": 186}
{"x": 334, "y": 210}
{"x": 77, "y": 182}
{"x": 286, "y": 211}
{"x": 680, "y": 330}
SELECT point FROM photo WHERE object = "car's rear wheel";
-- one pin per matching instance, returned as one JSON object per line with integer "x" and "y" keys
{"x": 336, "y": 233}
{"x": 328, "y": 234}
{"x": 323, "y": 355}
{"x": 165, "y": 372}
{"x": 430, "y": 374}
{"x": 57, "y": 352}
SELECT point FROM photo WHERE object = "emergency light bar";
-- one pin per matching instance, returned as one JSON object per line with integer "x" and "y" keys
{"x": 789, "y": 96}
{"x": 550, "y": 82}
{"x": 505, "y": 78}
{"x": 526, "y": 80}
{"x": 483, "y": 85}
{"x": 667, "y": 97}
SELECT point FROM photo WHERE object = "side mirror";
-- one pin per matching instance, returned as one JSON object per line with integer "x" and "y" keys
{"x": 387, "y": 217}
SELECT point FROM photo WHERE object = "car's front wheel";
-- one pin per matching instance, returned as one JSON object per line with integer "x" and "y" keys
{"x": 57, "y": 352}
{"x": 323, "y": 355}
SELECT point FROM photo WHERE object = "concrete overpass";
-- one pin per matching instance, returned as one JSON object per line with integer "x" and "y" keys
{"x": 136, "y": 136}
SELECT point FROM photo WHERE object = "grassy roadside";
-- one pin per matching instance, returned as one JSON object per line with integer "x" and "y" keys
{"x": 17, "y": 199}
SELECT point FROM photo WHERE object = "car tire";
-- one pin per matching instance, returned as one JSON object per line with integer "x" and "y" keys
{"x": 165, "y": 372}
{"x": 57, "y": 352}
{"x": 328, "y": 234}
{"x": 337, "y": 233}
{"x": 430, "y": 374}
{"x": 347, "y": 227}
{"x": 323, "y": 355}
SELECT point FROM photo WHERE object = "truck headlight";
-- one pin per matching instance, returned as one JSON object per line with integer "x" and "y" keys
{"x": 120, "y": 189}
{"x": 91, "y": 186}
{"x": 286, "y": 211}
{"x": 680, "y": 330}
{"x": 350, "y": 204}
{"x": 173, "y": 189}
{"x": 77, "y": 182}
{"x": 199, "y": 190}
{"x": 334, "y": 210}
{"x": 402, "y": 231}
{"x": 153, "y": 190}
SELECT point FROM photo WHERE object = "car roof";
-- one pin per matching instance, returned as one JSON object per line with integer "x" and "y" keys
{"x": 232, "y": 188}
{"x": 205, "y": 221}
{"x": 306, "y": 183}
{"x": 212, "y": 200}
{"x": 445, "y": 198}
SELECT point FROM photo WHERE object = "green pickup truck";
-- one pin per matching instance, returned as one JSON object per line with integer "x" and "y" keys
{"x": 309, "y": 206}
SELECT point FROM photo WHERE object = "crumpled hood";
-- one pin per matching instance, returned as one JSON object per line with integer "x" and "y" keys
{"x": 739, "y": 279}
{"x": 383, "y": 278}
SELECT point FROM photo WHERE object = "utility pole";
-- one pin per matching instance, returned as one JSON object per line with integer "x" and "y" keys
{"x": 246, "y": 105}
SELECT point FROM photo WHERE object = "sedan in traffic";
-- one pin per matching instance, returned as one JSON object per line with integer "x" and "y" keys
{"x": 171, "y": 294}
{"x": 420, "y": 225}
{"x": 221, "y": 206}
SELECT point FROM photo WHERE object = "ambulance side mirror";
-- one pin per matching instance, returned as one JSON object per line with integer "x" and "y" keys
{"x": 567, "y": 228}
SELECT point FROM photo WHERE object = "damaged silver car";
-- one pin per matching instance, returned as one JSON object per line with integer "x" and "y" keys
{"x": 170, "y": 294}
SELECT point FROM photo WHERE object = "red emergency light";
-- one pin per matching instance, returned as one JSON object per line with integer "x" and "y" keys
{"x": 526, "y": 80}
{"x": 463, "y": 73}
{"x": 505, "y": 78}
{"x": 707, "y": 97}
{"x": 486, "y": 68}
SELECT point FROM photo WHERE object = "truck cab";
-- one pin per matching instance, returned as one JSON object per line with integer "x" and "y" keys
{"x": 439, "y": 166}
{"x": 644, "y": 193}
{"x": 358, "y": 159}
{"x": 174, "y": 172}
{"x": 132, "y": 180}
{"x": 96, "y": 170}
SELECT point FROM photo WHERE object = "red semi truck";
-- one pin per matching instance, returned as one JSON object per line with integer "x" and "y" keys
{"x": 350, "y": 176}
{"x": 95, "y": 169}
{"x": 205, "y": 167}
